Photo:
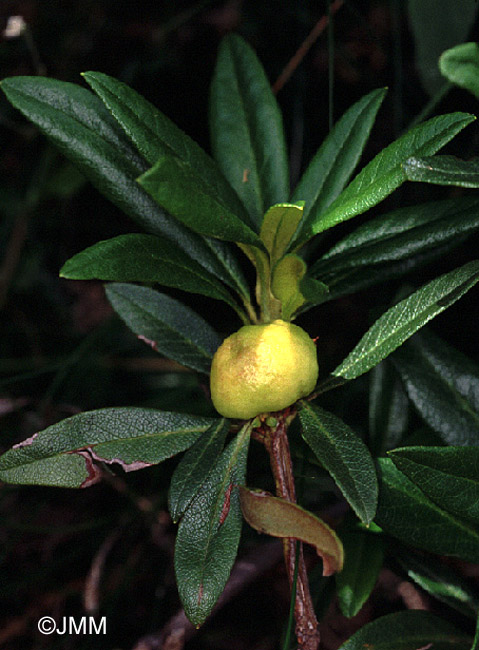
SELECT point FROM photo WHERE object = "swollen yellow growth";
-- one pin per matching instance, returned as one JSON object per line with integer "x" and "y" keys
{"x": 263, "y": 368}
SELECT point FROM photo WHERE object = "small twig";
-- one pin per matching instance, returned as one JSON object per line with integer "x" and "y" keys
{"x": 305, "y": 46}
{"x": 277, "y": 445}
{"x": 91, "y": 591}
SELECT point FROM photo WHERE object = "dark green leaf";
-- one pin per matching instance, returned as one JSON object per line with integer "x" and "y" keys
{"x": 63, "y": 454}
{"x": 183, "y": 192}
{"x": 165, "y": 324}
{"x": 405, "y": 512}
{"x": 409, "y": 630}
{"x": 336, "y": 159}
{"x": 348, "y": 281}
{"x": 209, "y": 532}
{"x": 143, "y": 258}
{"x": 460, "y": 65}
{"x": 314, "y": 291}
{"x": 388, "y": 409}
{"x": 436, "y": 26}
{"x": 385, "y": 173}
{"x": 363, "y": 554}
{"x": 280, "y": 518}
{"x": 247, "y": 129}
{"x": 443, "y": 170}
{"x": 155, "y": 135}
{"x": 78, "y": 123}
{"x": 439, "y": 579}
{"x": 195, "y": 467}
{"x": 399, "y": 235}
{"x": 404, "y": 319}
{"x": 443, "y": 385}
{"x": 344, "y": 455}
{"x": 447, "y": 475}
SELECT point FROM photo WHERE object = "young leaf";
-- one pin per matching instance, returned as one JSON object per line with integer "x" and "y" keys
{"x": 143, "y": 258}
{"x": 345, "y": 457}
{"x": 63, "y": 454}
{"x": 408, "y": 630}
{"x": 443, "y": 385}
{"x": 460, "y": 65}
{"x": 404, "y": 319}
{"x": 336, "y": 159}
{"x": 364, "y": 555}
{"x": 442, "y": 581}
{"x": 388, "y": 409}
{"x": 185, "y": 194}
{"x": 385, "y": 172}
{"x": 156, "y": 135}
{"x": 443, "y": 170}
{"x": 209, "y": 532}
{"x": 447, "y": 475}
{"x": 285, "y": 286}
{"x": 278, "y": 227}
{"x": 279, "y": 518}
{"x": 247, "y": 129}
{"x": 195, "y": 467}
{"x": 165, "y": 324}
{"x": 405, "y": 512}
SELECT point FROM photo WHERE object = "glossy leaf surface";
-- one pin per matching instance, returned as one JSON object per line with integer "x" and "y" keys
{"x": 183, "y": 192}
{"x": 165, "y": 324}
{"x": 63, "y": 454}
{"x": 385, "y": 172}
{"x": 154, "y": 134}
{"x": 280, "y": 518}
{"x": 443, "y": 385}
{"x": 209, "y": 532}
{"x": 77, "y": 122}
{"x": 443, "y": 170}
{"x": 399, "y": 235}
{"x": 344, "y": 455}
{"x": 336, "y": 159}
{"x": 446, "y": 475}
{"x": 143, "y": 258}
{"x": 405, "y": 512}
{"x": 247, "y": 129}
{"x": 409, "y": 630}
{"x": 404, "y": 319}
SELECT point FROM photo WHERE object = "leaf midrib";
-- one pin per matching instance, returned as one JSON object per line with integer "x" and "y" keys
{"x": 344, "y": 466}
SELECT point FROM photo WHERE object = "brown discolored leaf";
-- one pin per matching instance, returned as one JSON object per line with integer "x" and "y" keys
{"x": 280, "y": 518}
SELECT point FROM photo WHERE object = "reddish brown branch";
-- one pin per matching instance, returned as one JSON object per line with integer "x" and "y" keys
{"x": 305, "y": 46}
{"x": 277, "y": 445}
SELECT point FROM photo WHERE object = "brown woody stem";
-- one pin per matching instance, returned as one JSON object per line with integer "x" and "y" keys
{"x": 275, "y": 440}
